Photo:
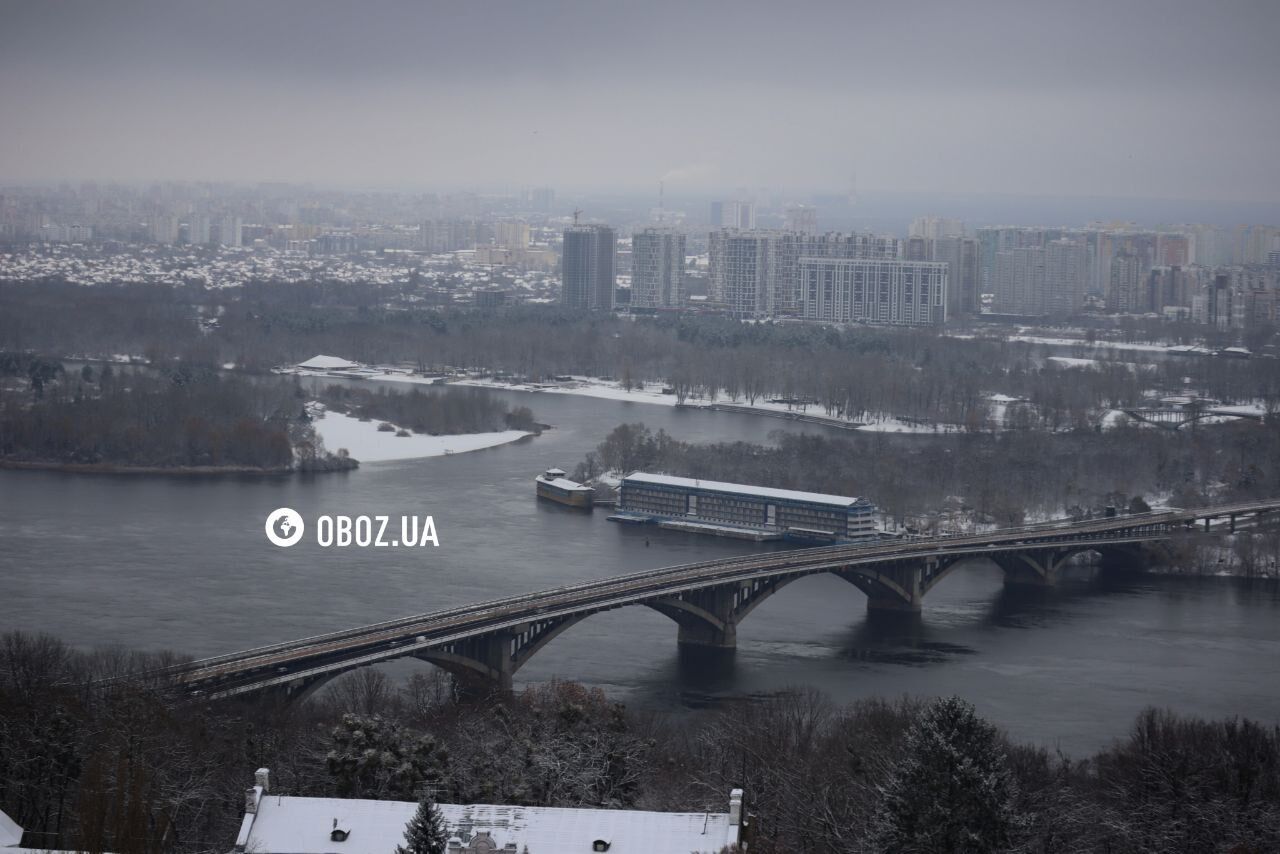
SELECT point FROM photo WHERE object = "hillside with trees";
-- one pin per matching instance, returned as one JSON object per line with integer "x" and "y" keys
{"x": 97, "y": 765}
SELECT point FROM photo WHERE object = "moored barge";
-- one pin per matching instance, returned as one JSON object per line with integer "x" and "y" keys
{"x": 554, "y": 485}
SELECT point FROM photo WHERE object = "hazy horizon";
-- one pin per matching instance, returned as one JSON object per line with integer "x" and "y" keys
{"x": 1147, "y": 100}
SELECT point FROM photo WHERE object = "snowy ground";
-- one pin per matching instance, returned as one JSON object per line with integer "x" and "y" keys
{"x": 1097, "y": 364}
{"x": 1136, "y": 347}
{"x": 585, "y": 387}
{"x": 652, "y": 393}
{"x": 366, "y": 443}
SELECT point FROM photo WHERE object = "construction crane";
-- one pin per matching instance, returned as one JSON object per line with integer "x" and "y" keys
{"x": 576, "y": 212}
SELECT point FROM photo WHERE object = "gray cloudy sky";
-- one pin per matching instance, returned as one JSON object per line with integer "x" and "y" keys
{"x": 1155, "y": 98}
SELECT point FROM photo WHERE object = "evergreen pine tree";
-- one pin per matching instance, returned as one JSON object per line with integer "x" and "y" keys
{"x": 425, "y": 833}
{"x": 953, "y": 792}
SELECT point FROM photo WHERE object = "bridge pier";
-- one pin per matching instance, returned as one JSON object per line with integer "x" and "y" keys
{"x": 1018, "y": 574}
{"x": 706, "y": 636}
{"x": 898, "y": 589}
{"x": 891, "y": 604}
{"x": 479, "y": 665}
{"x": 1031, "y": 569}
{"x": 706, "y": 618}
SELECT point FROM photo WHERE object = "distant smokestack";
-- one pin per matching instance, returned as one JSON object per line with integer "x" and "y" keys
{"x": 661, "y": 208}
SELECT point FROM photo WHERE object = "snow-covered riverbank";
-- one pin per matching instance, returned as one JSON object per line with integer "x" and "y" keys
{"x": 652, "y": 393}
{"x": 366, "y": 443}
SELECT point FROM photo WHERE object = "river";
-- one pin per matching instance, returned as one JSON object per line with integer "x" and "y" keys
{"x": 182, "y": 563}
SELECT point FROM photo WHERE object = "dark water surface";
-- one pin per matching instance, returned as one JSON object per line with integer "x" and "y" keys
{"x": 182, "y": 563}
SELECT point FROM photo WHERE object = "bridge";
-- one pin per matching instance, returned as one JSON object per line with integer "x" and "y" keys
{"x": 1174, "y": 418}
{"x": 483, "y": 645}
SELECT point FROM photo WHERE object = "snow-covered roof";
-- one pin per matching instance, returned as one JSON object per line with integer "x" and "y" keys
{"x": 327, "y": 363}
{"x": 742, "y": 489}
{"x": 10, "y": 832}
{"x": 11, "y": 836}
{"x": 565, "y": 483}
{"x": 289, "y": 825}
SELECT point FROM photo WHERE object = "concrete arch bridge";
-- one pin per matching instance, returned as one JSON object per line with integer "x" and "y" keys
{"x": 486, "y": 643}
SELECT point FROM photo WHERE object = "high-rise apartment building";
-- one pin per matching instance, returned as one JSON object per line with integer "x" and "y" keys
{"x": 511, "y": 234}
{"x": 163, "y": 228}
{"x": 1172, "y": 287}
{"x": 733, "y": 214}
{"x": 229, "y": 230}
{"x": 1020, "y": 281}
{"x": 916, "y": 248}
{"x": 587, "y": 267}
{"x": 934, "y": 227}
{"x": 755, "y": 272}
{"x": 542, "y": 198}
{"x": 801, "y": 218}
{"x": 1125, "y": 292}
{"x": 992, "y": 241}
{"x": 657, "y": 268}
{"x": 962, "y": 256}
{"x": 742, "y": 271}
{"x": 842, "y": 290}
{"x": 450, "y": 235}
{"x": 790, "y": 247}
{"x": 1066, "y": 274}
{"x": 1173, "y": 250}
{"x": 199, "y": 229}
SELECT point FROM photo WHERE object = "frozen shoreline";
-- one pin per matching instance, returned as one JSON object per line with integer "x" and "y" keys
{"x": 586, "y": 387}
{"x": 364, "y": 442}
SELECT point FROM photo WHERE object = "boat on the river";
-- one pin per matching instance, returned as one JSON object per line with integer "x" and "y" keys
{"x": 554, "y": 485}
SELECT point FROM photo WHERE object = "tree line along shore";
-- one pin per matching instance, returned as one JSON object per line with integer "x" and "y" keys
{"x": 100, "y": 756}
{"x": 184, "y": 419}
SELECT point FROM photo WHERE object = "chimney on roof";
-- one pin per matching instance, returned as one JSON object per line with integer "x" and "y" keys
{"x": 262, "y": 777}
{"x": 735, "y": 807}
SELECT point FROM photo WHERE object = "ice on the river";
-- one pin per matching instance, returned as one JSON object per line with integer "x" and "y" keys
{"x": 366, "y": 443}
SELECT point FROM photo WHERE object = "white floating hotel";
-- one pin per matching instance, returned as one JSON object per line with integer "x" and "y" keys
{"x": 743, "y": 510}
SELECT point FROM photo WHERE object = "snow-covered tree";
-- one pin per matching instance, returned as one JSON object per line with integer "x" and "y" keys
{"x": 953, "y": 793}
{"x": 372, "y": 757}
{"x": 425, "y": 833}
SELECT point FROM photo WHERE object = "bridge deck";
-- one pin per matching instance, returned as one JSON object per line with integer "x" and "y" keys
{"x": 281, "y": 663}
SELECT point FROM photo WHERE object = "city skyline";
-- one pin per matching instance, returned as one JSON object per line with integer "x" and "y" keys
{"x": 1081, "y": 100}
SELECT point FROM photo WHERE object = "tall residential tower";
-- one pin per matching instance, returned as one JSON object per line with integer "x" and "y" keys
{"x": 657, "y": 268}
{"x": 587, "y": 266}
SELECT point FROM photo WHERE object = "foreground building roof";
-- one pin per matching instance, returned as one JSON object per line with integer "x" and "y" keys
{"x": 275, "y": 824}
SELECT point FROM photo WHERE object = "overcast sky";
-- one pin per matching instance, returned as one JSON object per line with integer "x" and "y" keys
{"x": 1143, "y": 98}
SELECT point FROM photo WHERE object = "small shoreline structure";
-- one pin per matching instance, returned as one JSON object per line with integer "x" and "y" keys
{"x": 554, "y": 485}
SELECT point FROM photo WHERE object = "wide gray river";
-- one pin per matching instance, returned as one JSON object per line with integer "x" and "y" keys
{"x": 183, "y": 564}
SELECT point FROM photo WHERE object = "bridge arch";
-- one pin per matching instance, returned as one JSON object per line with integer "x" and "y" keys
{"x": 710, "y": 617}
